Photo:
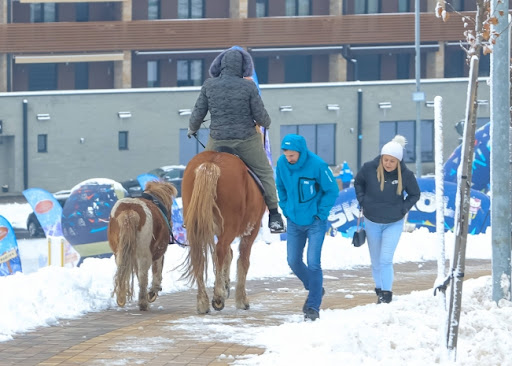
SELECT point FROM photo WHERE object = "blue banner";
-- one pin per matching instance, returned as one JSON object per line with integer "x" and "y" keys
{"x": 343, "y": 215}
{"x": 9, "y": 254}
{"x": 47, "y": 210}
{"x": 480, "y": 177}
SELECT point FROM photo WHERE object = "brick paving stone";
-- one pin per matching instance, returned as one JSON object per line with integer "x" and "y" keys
{"x": 105, "y": 338}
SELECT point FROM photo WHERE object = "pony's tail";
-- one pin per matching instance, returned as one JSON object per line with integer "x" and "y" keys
{"x": 124, "y": 278}
{"x": 202, "y": 220}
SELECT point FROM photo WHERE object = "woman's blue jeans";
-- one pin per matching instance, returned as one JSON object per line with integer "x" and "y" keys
{"x": 382, "y": 242}
{"x": 311, "y": 274}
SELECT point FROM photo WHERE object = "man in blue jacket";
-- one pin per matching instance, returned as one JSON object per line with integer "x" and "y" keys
{"x": 307, "y": 191}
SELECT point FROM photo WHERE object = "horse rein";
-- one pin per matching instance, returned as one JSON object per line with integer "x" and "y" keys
{"x": 164, "y": 213}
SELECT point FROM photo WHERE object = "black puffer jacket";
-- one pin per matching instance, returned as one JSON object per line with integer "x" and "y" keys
{"x": 234, "y": 102}
{"x": 385, "y": 206}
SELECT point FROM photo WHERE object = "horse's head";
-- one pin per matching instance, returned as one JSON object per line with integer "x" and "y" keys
{"x": 163, "y": 191}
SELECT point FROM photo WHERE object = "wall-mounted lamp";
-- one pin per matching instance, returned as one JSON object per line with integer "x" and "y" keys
{"x": 333, "y": 107}
{"x": 82, "y": 140}
{"x": 482, "y": 102}
{"x": 429, "y": 104}
{"x": 43, "y": 116}
{"x": 125, "y": 114}
{"x": 285, "y": 108}
{"x": 385, "y": 105}
{"x": 184, "y": 112}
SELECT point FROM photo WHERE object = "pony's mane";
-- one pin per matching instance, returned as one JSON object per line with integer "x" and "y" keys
{"x": 163, "y": 191}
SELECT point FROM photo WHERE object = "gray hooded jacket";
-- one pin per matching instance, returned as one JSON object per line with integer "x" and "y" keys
{"x": 234, "y": 102}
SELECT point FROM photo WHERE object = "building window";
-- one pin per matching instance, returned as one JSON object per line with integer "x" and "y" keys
{"x": 366, "y": 6}
{"x": 368, "y": 67}
{"x": 403, "y": 62}
{"x": 82, "y": 12}
{"x": 153, "y": 74}
{"x": 43, "y": 13}
{"x": 123, "y": 140}
{"x": 389, "y": 129}
{"x": 190, "y": 72}
{"x": 404, "y": 6}
{"x": 81, "y": 75}
{"x": 42, "y": 77}
{"x": 297, "y": 69}
{"x": 261, "y": 69}
{"x": 153, "y": 9}
{"x": 298, "y": 8}
{"x": 457, "y": 5}
{"x": 320, "y": 139}
{"x": 190, "y": 9}
{"x": 261, "y": 8}
{"x": 42, "y": 143}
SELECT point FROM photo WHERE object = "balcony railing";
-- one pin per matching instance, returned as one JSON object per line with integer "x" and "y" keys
{"x": 222, "y": 33}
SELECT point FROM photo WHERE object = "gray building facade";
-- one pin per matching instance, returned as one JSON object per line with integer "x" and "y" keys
{"x": 57, "y": 139}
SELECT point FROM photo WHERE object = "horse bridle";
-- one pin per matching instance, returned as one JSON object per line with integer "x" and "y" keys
{"x": 165, "y": 214}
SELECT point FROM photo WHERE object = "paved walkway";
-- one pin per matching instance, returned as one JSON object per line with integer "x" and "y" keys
{"x": 131, "y": 337}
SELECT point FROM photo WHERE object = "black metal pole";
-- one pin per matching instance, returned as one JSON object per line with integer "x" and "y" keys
{"x": 359, "y": 127}
{"x": 25, "y": 144}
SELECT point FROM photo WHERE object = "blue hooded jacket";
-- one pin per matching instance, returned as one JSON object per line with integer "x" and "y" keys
{"x": 307, "y": 188}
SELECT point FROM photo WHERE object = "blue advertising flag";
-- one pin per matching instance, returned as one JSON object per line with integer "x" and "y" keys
{"x": 9, "y": 254}
{"x": 143, "y": 179}
{"x": 47, "y": 210}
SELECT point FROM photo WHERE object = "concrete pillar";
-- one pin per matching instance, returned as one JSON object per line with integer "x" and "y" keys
{"x": 337, "y": 64}
{"x": 337, "y": 68}
{"x": 335, "y": 7}
{"x": 126, "y": 10}
{"x": 123, "y": 69}
{"x": 435, "y": 63}
{"x": 238, "y": 9}
{"x": 3, "y": 72}
{"x": 123, "y": 72}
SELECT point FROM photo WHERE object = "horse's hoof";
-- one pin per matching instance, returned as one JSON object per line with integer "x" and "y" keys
{"x": 143, "y": 307}
{"x": 152, "y": 296}
{"x": 218, "y": 305}
{"x": 207, "y": 311}
{"x": 243, "y": 306}
{"x": 121, "y": 303}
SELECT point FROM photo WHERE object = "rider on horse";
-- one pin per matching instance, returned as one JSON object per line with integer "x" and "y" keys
{"x": 235, "y": 106}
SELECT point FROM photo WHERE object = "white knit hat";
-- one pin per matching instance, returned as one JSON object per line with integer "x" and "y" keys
{"x": 395, "y": 147}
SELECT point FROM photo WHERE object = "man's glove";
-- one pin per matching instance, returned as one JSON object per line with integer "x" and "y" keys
{"x": 191, "y": 133}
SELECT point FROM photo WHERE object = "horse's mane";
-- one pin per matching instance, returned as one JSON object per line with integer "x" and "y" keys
{"x": 163, "y": 191}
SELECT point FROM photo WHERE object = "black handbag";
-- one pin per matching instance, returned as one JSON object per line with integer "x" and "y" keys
{"x": 359, "y": 237}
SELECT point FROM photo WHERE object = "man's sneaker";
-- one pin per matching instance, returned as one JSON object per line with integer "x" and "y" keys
{"x": 305, "y": 306}
{"x": 275, "y": 223}
{"x": 311, "y": 314}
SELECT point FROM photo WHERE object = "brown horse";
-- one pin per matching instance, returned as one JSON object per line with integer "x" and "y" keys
{"x": 139, "y": 231}
{"x": 220, "y": 199}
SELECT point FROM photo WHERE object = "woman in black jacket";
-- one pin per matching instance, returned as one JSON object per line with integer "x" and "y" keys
{"x": 380, "y": 187}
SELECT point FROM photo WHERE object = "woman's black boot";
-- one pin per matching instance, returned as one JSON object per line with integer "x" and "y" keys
{"x": 378, "y": 291}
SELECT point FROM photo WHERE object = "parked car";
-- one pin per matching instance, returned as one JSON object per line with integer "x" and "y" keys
{"x": 34, "y": 226}
{"x": 169, "y": 173}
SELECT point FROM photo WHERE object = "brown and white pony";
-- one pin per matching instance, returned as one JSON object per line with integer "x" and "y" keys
{"x": 220, "y": 199}
{"x": 139, "y": 232}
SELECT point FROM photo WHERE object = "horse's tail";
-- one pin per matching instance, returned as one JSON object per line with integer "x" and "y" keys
{"x": 202, "y": 220}
{"x": 128, "y": 222}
